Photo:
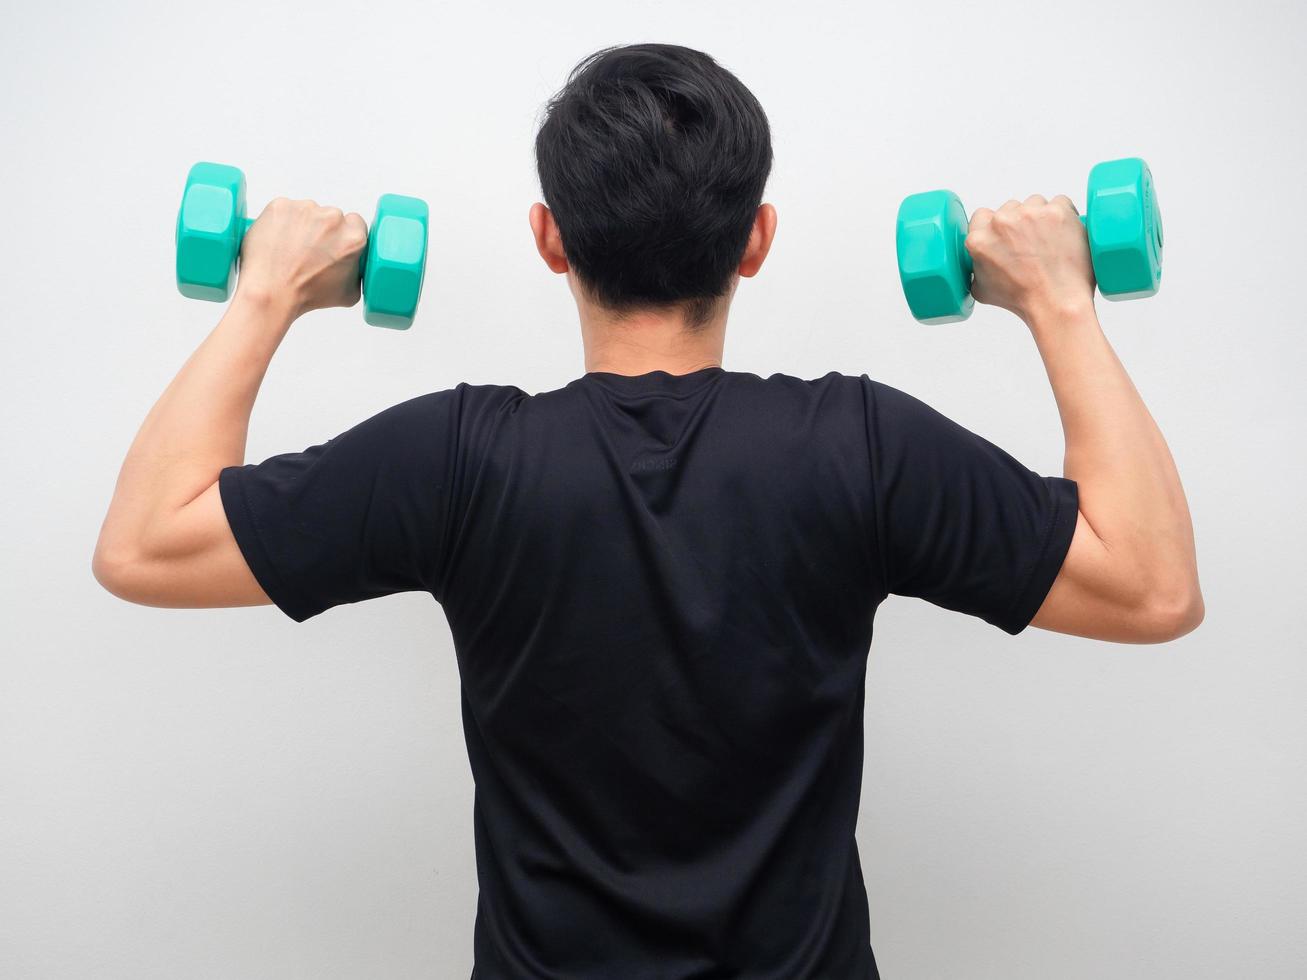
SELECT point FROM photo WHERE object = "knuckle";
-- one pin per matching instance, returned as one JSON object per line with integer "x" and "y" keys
{"x": 1064, "y": 206}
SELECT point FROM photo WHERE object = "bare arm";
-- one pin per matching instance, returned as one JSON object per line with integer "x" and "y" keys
{"x": 165, "y": 540}
{"x": 1131, "y": 574}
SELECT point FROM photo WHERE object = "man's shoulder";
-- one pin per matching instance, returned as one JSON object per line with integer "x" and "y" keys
{"x": 826, "y": 391}
{"x": 464, "y": 396}
{"x": 465, "y": 405}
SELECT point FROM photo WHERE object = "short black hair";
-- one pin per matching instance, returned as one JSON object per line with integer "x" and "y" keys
{"x": 653, "y": 159}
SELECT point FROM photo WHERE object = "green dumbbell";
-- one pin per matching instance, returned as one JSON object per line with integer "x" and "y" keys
{"x": 1121, "y": 218}
{"x": 211, "y": 225}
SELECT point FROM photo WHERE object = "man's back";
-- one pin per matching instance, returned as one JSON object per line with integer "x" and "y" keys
{"x": 661, "y": 590}
{"x": 661, "y": 594}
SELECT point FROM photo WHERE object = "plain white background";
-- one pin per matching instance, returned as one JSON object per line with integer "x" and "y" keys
{"x": 226, "y": 794}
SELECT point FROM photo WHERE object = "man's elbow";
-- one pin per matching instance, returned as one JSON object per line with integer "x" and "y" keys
{"x": 1171, "y": 613}
{"x": 118, "y": 571}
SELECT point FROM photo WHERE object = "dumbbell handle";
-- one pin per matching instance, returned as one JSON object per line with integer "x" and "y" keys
{"x": 965, "y": 256}
{"x": 246, "y": 223}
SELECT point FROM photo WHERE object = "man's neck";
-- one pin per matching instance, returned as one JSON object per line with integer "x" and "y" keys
{"x": 650, "y": 341}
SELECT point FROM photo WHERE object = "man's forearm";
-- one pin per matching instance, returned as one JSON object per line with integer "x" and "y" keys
{"x": 197, "y": 426}
{"x": 1130, "y": 492}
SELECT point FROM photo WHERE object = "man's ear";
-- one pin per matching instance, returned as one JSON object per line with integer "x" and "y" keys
{"x": 760, "y": 239}
{"x": 548, "y": 243}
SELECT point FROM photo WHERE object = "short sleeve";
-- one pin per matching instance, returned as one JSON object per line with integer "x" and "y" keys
{"x": 365, "y": 514}
{"x": 960, "y": 523}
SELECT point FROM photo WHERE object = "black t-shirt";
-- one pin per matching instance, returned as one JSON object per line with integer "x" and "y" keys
{"x": 661, "y": 591}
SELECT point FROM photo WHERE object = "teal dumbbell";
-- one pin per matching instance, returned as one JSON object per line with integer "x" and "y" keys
{"x": 1121, "y": 218}
{"x": 211, "y": 224}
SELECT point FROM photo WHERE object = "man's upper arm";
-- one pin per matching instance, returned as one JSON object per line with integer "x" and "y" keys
{"x": 964, "y": 525}
{"x": 194, "y": 563}
{"x": 372, "y": 512}
{"x": 359, "y": 516}
{"x": 1094, "y": 597}
{"x": 364, "y": 514}
{"x": 961, "y": 523}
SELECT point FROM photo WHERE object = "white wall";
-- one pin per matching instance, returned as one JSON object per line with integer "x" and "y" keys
{"x": 226, "y": 794}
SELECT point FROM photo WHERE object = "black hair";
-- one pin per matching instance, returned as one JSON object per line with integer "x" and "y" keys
{"x": 653, "y": 159}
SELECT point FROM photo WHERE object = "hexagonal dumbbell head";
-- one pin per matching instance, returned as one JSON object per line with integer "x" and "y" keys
{"x": 1125, "y": 229}
{"x": 396, "y": 262}
{"x": 210, "y": 225}
{"x": 934, "y": 264}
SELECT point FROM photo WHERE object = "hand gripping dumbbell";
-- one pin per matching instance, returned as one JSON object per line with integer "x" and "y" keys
{"x": 211, "y": 225}
{"x": 1121, "y": 219}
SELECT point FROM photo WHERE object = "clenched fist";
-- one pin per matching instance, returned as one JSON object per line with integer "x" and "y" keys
{"x": 304, "y": 255}
{"x": 1030, "y": 257}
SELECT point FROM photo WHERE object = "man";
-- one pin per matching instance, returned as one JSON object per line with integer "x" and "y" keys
{"x": 661, "y": 578}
